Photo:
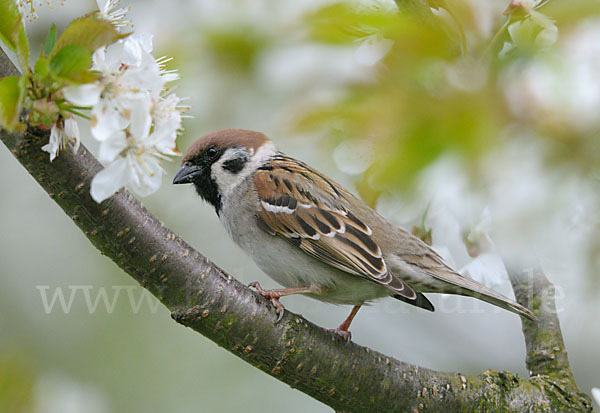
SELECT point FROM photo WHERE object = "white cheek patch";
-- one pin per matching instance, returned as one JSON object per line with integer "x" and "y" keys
{"x": 266, "y": 151}
{"x": 227, "y": 181}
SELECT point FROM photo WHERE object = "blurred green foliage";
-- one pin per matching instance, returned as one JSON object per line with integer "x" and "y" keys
{"x": 440, "y": 89}
{"x": 235, "y": 48}
{"x": 16, "y": 382}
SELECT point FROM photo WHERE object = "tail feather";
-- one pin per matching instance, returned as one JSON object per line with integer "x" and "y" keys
{"x": 420, "y": 301}
{"x": 502, "y": 302}
{"x": 469, "y": 287}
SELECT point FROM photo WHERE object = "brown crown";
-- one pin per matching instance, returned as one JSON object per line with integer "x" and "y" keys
{"x": 226, "y": 138}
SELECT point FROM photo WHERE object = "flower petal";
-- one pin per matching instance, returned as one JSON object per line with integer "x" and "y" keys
{"x": 53, "y": 145}
{"x": 521, "y": 32}
{"x": 102, "y": 4}
{"x": 71, "y": 131}
{"x": 139, "y": 116}
{"x": 87, "y": 94}
{"x": 113, "y": 146}
{"x": 132, "y": 52}
{"x": 136, "y": 49}
{"x": 148, "y": 175}
{"x": 109, "y": 180}
{"x": 547, "y": 37}
{"x": 144, "y": 39}
{"x": 163, "y": 140}
{"x": 112, "y": 58}
{"x": 107, "y": 119}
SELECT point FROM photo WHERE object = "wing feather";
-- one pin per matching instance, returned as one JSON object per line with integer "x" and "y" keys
{"x": 313, "y": 214}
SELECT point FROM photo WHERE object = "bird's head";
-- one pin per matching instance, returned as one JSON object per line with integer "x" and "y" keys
{"x": 218, "y": 162}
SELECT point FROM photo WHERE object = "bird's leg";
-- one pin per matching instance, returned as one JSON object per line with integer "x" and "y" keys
{"x": 275, "y": 295}
{"x": 342, "y": 330}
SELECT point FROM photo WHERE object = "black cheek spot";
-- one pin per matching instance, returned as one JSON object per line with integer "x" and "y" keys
{"x": 235, "y": 165}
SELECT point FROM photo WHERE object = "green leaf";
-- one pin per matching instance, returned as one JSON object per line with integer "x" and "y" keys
{"x": 9, "y": 23}
{"x": 71, "y": 62}
{"x": 342, "y": 23}
{"x": 50, "y": 40}
{"x": 11, "y": 102}
{"x": 12, "y": 32}
{"x": 42, "y": 67}
{"x": 88, "y": 32}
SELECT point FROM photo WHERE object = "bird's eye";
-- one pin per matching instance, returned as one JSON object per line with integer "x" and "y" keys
{"x": 212, "y": 152}
{"x": 187, "y": 163}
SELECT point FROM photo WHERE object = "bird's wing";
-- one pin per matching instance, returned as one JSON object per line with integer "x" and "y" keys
{"x": 417, "y": 253}
{"x": 300, "y": 205}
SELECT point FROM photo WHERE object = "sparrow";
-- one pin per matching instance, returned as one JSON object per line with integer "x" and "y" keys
{"x": 311, "y": 235}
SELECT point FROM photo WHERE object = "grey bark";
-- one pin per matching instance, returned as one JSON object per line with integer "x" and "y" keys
{"x": 345, "y": 376}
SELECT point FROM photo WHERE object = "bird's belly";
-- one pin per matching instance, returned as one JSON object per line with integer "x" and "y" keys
{"x": 291, "y": 267}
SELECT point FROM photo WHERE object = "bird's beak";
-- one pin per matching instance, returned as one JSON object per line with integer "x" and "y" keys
{"x": 187, "y": 173}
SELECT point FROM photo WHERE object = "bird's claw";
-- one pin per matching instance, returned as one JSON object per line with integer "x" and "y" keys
{"x": 256, "y": 285}
{"x": 345, "y": 334}
{"x": 280, "y": 310}
{"x": 273, "y": 296}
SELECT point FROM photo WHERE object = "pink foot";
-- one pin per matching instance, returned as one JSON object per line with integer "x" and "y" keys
{"x": 272, "y": 295}
{"x": 345, "y": 334}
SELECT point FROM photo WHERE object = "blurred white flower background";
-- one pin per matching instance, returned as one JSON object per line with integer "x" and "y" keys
{"x": 248, "y": 64}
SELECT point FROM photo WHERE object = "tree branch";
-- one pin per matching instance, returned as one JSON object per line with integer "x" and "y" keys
{"x": 547, "y": 360}
{"x": 345, "y": 376}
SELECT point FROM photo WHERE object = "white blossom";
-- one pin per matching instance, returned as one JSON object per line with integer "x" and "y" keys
{"x": 563, "y": 89}
{"x": 167, "y": 121}
{"x": 129, "y": 73}
{"x": 141, "y": 172}
{"x": 133, "y": 155}
{"x": 536, "y": 27}
{"x": 135, "y": 123}
{"x": 28, "y": 9}
{"x": 63, "y": 131}
{"x": 109, "y": 11}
